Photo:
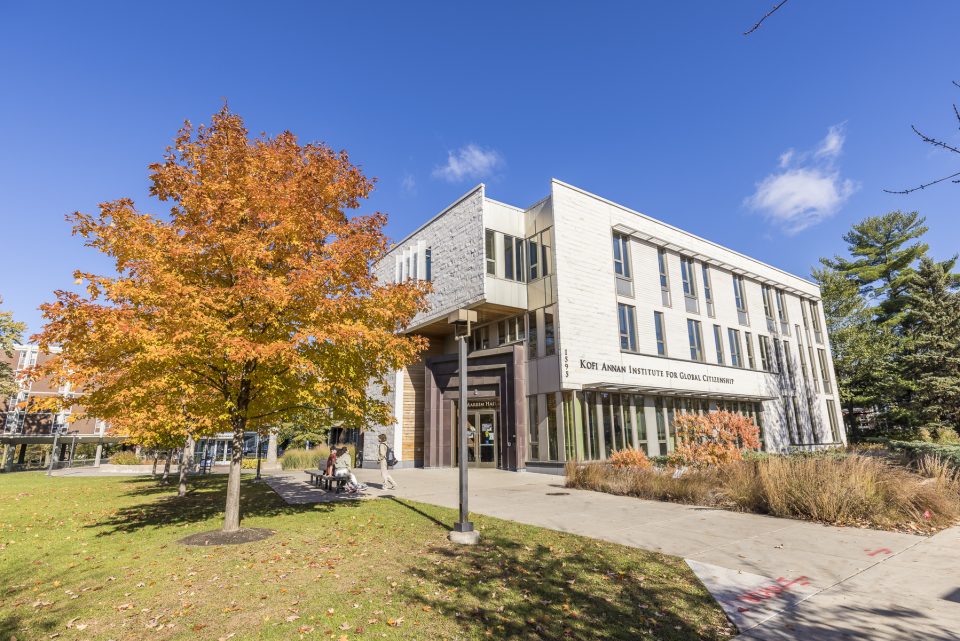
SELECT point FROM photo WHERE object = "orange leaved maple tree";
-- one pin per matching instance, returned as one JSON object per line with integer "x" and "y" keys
{"x": 251, "y": 301}
{"x": 713, "y": 439}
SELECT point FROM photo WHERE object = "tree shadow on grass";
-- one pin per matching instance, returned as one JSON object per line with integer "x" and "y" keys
{"x": 517, "y": 587}
{"x": 205, "y": 500}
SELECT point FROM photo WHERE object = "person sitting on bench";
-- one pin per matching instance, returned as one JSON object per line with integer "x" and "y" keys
{"x": 331, "y": 462}
{"x": 343, "y": 469}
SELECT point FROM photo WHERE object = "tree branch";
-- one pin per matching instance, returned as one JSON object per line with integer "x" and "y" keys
{"x": 925, "y": 185}
{"x": 934, "y": 141}
{"x": 767, "y": 15}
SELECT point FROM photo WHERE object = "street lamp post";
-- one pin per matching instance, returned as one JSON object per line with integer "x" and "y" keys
{"x": 258, "y": 453}
{"x": 463, "y": 531}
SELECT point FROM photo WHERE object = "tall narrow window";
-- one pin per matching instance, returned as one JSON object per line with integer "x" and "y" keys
{"x": 533, "y": 430}
{"x": 533, "y": 259}
{"x": 520, "y": 273}
{"x": 803, "y": 312}
{"x": 813, "y": 368}
{"x": 707, "y": 289}
{"x": 736, "y": 357}
{"x": 416, "y": 265}
{"x": 738, "y": 293}
{"x": 787, "y": 360}
{"x": 662, "y": 263}
{"x": 832, "y": 417}
{"x": 767, "y": 302}
{"x": 718, "y": 342}
{"x": 696, "y": 339}
{"x": 621, "y": 255}
{"x": 659, "y": 329}
{"x": 532, "y": 335}
{"x": 824, "y": 371}
{"x": 777, "y": 355}
{"x": 490, "y": 247}
{"x": 549, "y": 346}
{"x": 815, "y": 320}
{"x": 428, "y": 259}
{"x": 626, "y": 315}
{"x": 750, "y": 357}
{"x": 553, "y": 441}
{"x": 781, "y": 306}
{"x": 689, "y": 280}
{"x": 765, "y": 362}
{"x": 508, "y": 257}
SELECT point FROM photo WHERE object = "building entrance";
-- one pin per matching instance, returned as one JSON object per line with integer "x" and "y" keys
{"x": 481, "y": 438}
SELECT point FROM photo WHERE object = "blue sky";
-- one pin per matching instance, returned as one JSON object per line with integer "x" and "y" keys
{"x": 772, "y": 144}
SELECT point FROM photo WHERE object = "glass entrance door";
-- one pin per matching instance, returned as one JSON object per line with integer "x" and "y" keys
{"x": 481, "y": 438}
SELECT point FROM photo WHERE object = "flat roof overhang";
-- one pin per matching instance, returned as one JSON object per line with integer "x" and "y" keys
{"x": 671, "y": 391}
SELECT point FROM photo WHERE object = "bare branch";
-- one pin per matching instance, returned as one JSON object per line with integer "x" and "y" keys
{"x": 925, "y": 185}
{"x": 934, "y": 141}
{"x": 767, "y": 15}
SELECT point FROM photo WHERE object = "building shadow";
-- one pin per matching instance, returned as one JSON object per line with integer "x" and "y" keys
{"x": 522, "y": 591}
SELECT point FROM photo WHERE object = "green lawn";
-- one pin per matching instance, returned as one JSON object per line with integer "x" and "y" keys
{"x": 98, "y": 558}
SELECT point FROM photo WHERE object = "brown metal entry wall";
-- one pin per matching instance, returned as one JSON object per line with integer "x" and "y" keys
{"x": 496, "y": 381}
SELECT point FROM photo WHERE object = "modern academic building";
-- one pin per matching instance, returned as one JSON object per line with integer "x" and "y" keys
{"x": 598, "y": 325}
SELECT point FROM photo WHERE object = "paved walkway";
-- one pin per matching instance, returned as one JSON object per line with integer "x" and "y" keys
{"x": 775, "y": 578}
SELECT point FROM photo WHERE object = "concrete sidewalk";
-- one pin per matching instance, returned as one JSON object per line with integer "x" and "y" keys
{"x": 775, "y": 578}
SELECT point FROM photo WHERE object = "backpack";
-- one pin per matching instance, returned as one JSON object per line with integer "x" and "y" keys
{"x": 391, "y": 459}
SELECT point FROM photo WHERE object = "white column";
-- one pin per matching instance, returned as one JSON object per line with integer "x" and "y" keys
{"x": 650, "y": 416}
{"x": 398, "y": 414}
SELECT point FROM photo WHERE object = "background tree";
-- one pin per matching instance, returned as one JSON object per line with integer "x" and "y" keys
{"x": 255, "y": 293}
{"x": 884, "y": 250}
{"x": 864, "y": 351}
{"x": 11, "y": 333}
{"x": 932, "y": 355}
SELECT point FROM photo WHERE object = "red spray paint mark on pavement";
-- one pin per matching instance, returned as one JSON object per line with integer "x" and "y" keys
{"x": 878, "y": 551}
{"x": 771, "y": 591}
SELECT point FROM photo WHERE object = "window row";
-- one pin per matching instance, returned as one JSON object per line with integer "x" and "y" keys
{"x": 414, "y": 263}
{"x": 774, "y": 299}
{"x": 520, "y": 328}
{"x": 518, "y": 259}
{"x": 591, "y": 425}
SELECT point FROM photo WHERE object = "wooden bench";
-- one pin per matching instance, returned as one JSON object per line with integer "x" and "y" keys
{"x": 326, "y": 482}
{"x": 206, "y": 465}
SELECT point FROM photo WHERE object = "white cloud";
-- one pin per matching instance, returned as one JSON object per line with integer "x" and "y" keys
{"x": 807, "y": 188}
{"x": 832, "y": 143}
{"x": 408, "y": 184}
{"x": 469, "y": 162}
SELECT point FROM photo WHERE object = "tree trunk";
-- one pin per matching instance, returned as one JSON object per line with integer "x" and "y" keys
{"x": 186, "y": 465}
{"x": 231, "y": 516}
{"x": 166, "y": 467}
{"x": 272, "y": 450}
{"x": 156, "y": 456}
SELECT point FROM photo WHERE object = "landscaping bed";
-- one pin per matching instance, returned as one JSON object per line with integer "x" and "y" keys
{"x": 101, "y": 558}
{"x": 835, "y": 488}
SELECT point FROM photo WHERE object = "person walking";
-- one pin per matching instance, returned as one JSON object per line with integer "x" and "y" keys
{"x": 384, "y": 453}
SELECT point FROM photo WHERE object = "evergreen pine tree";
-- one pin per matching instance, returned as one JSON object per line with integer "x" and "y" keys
{"x": 884, "y": 250}
{"x": 931, "y": 329}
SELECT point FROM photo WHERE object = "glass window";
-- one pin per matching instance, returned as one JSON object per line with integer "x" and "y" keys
{"x": 662, "y": 262}
{"x": 686, "y": 272}
{"x": 553, "y": 441}
{"x": 570, "y": 445}
{"x": 518, "y": 256}
{"x": 815, "y": 320}
{"x": 545, "y": 256}
{"x": 813, "y": 369}
{"x": 787, "y": 360}
{"x": 508, "y": 257}
{"x": 415, "y": 265}
{"x": 738, "y": 293}
{"x": 803, "y": 312}
{"x": 626, "y": 315}
{"x": 707, "y": 290}
{"x": 533, "y": 431}
{"x": 736, "y": 357}
{"x": 660, "y": 333}
{"x": 750, "y": 359}
{"x": 548, "y": 341}
{"x": 428, "y": 258}
{"x": 767, "y": 303}
{"x": 533, "y": 259}
{"x": 490, "y": 246}
{"x": 502, "y": 336}
{"x": 641, "y": 423}
{"x": 621, "y": 255}
{"x": 696, "y": 339}
{"x": 834, "y": 425}
{"x": 777, "y": 355}
{"x": 607, "y": 417}
{"x": 589, "y": 416}
{"x": 531, "y": 335}
{"x": 781, "y": 306}
{"x": 765, "y": 362}
{"x": 718, "y": 341}
{"x": 824, "y": 371}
